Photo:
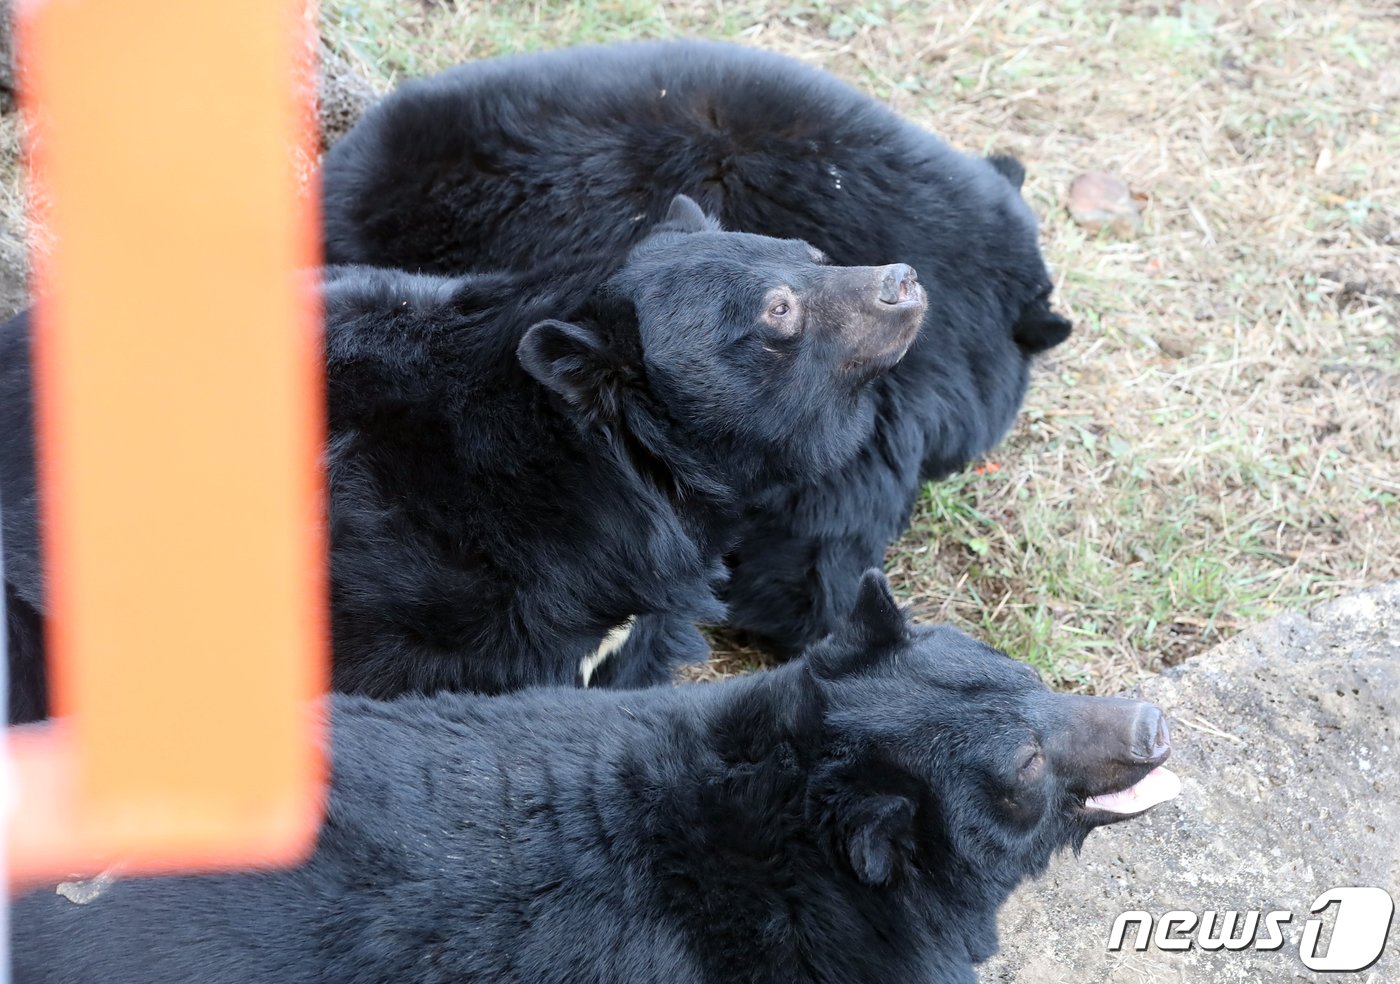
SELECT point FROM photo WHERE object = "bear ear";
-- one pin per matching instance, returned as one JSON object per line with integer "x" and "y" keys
{"x": 877, "y": 616}
{"x": 1009, "y": 168}
{"x": 686, "y": 216}
{"x": 878, "y": 834}
{"x": 875, "y": 626}
{"x": 1039, "y": 328}
{"x": 573, "y": 361}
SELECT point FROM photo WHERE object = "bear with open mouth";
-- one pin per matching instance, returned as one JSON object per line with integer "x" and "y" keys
{"x": 857, "y": 815}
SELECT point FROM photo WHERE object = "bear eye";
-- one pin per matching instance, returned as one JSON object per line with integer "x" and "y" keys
{"x": 782, "y": 316}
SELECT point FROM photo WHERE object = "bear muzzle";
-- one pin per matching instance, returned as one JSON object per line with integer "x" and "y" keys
{"x": 1110, "y": 753}
{"x": 885, "y": 314}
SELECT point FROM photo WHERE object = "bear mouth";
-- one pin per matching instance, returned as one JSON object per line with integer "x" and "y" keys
{"x": 911, "y": 328}
{"x": 880, "y": 338}
{"x": 1155, "y": 788}
{"x": 901, "y": 340}
{"x": 882, "y": 362}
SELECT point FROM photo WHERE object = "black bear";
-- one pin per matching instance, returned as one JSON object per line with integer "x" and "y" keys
{"x": 858, "y": 815}
{"x": 510, "y": 162}
{"x": 527, "y": 468}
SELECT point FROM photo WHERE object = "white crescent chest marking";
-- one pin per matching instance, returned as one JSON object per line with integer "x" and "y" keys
{"x": 611, "y": 643}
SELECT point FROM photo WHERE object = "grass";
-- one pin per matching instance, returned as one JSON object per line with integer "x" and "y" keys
{"x": 1220, "y": 440}
{"x": 404, "y": 38}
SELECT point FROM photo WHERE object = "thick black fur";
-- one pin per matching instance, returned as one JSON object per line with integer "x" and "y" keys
{"x": 520, "y": 463}
{"x": 855, "y": 816}
{"x": 24, "y": 591}
{"x": 509, "y": 162}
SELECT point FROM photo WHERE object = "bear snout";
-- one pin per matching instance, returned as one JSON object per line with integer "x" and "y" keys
{"x": 876, "y": 312}
{"x": 1109, "y": 743}
{"x": 1151, "y": 739}
{"x": 899, "y": 284}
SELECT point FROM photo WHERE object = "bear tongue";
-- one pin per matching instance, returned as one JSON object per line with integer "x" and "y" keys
{"x": 1157, "y": 786}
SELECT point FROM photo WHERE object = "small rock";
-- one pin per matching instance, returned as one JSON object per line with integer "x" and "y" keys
{"x": 1100, "y": 201}
{"x": 1172, "y": 345}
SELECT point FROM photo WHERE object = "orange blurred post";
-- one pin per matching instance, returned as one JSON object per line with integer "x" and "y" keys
{"x": 180, "y": 421}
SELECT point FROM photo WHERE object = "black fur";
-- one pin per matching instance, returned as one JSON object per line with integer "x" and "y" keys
{"x": 519, "y": 463}
{"x": 28, "y": 689}
{"x": 857, "y": 816}
{"x": 509, "y": 162}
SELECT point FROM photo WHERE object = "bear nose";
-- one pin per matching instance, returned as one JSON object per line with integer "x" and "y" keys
{"x": 897, "y": 283}
{"x": 1151, "y": 739}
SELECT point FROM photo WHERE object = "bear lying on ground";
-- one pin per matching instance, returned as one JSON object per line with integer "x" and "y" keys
{"x": 512, "y": 162}
{"x": 855, "y": 816}
{"x": 512, "y": 494}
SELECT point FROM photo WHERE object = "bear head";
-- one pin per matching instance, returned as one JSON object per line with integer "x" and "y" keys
{"x": 945, "y": 759}
{"x": 752, "y": 353}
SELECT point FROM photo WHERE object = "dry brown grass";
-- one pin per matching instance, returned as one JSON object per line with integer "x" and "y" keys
{"x": 1221, "y": 438}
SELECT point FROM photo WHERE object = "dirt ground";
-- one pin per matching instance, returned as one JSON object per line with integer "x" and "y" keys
{"x": 1220, "y": 440}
